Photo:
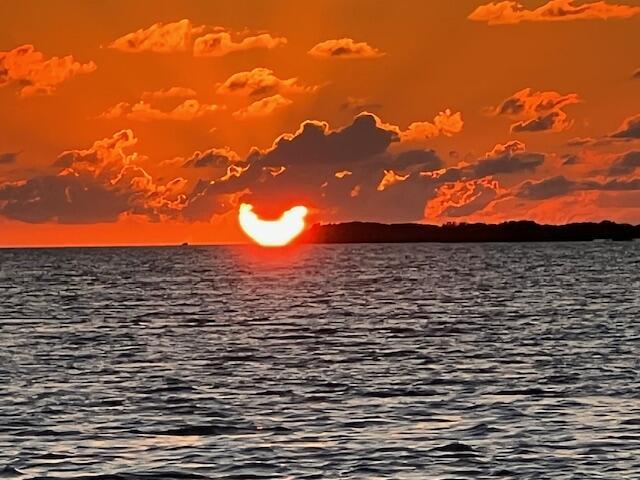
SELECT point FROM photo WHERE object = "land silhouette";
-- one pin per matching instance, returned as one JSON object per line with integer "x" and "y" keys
{"x": 514, "y": 231}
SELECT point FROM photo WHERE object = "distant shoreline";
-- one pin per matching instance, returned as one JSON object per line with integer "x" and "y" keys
{"x": 371, "y": 232}
{"x": 512, "y": 232}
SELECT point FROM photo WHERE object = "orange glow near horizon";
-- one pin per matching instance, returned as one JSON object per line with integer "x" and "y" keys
{"x": 272, "y": 233}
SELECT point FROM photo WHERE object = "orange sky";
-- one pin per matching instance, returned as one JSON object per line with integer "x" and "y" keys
{"x": 150, "y": 122}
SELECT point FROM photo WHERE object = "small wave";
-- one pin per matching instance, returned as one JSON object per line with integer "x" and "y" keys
{"x": 456, "y": 448}
{"x": 532, "y": 392}
{"x": 10, "y": 472}
{"x": 213, "y": 430}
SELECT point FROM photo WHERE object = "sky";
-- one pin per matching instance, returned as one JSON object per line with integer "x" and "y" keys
{"x": 139, "y": 122}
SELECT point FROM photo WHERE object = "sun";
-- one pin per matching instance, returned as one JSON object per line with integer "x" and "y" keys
{"x": 272, "y": 233}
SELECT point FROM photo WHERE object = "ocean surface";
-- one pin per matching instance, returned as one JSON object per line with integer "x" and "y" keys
{"x": 470, "y": 361}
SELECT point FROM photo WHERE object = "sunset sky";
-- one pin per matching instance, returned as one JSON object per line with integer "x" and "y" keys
{"x": 150, "y": 122}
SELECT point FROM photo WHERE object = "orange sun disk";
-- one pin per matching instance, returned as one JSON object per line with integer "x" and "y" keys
{"x": 272, "y": 233}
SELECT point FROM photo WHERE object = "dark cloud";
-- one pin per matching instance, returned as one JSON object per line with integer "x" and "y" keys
{"x": 66, "y": 159}
{"x": 555, "y": 120}
{"x": 520, "y": 162}
{"x": 625, "y": 164}
{"x": 570, "y": 159}
{"x": 613, "y": 185}
{"x": 629, "y": 130}
{"x": 560, "y": 185}
{"x": 580, "y": 141}
{"x": 380, "y": 185}
{"x": 65, "y": 199}
{"x": 94, "y": 185}
{"x": 212, "y": 158}
{"x": 636, "y": 74}
{"x": 8, "y": 158}
{"x": 547, "y": 188}
{"x": 422, "y": 160}
{"x": 506, "y": 159}
{"x": 364, "y": 138}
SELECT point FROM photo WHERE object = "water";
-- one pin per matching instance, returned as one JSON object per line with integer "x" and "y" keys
{"x": 358, "y": 361}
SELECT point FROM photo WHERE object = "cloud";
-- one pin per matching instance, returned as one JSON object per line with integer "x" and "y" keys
{"x": 462, "y": 198}
{"x": 172, "y": 92}
{"x": 221, "y": 43}
{"x": 263, "y": 107}
{"x": 539, "y": 111}
{"x": 260, "y": 82}
{"x": 144, "y": 112}
{"x": 214, "y": 157}
{"x": 8, "y": 158}
{"x": 344, "y": 48}
{"x": 512, "y": 12}
{"x": 315, "y": 142}
{"x": 636, "y": 74}
{"x": 530, "y": 103}
{"x": 417, "y": 160}
{"x": 547, "y": 188}
{"x": 507, "y": 158}
{"x": 343, "y": 173}
{"x": 65, "y": 199}
{"x": 559, "y": 186}
{"x": 202, "y": 41}
{"x": 94, "y": 185}
{"x": 33, "y": 74}
{"x": 570, "y": 159}
{"x": 581, "y": 141}
{"x": 625, "y": 164}
{"x": 555, "y": 120}
{"x": 629, "y": 130}
{"x": 389, "y": 178}
{"x": 444, "y": 123}
{"x": 504, "y": 159}
{"x": 337, "y": 171}
{"x": 159, "y": 38}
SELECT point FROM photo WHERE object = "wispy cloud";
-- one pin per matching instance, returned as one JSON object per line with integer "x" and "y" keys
{"x": 512, "y": 12}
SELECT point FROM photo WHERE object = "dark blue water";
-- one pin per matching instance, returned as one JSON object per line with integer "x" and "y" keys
{"x": 326, "y": 362}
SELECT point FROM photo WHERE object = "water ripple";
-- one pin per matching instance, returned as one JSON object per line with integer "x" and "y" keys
{"x": 344, "y": 361}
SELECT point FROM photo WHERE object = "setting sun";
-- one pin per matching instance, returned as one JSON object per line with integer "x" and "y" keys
{"x": 272, "y": 233}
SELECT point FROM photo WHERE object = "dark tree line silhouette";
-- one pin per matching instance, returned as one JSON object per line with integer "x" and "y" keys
{"x": 515, "y": 231}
